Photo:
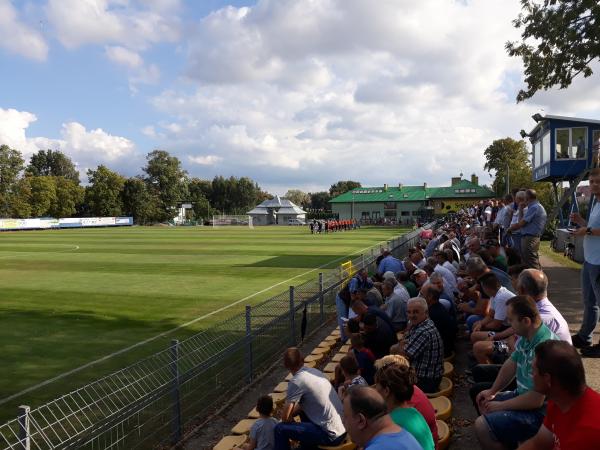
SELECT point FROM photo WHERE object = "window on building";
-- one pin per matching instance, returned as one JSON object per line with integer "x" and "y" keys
{"x": 375, "y": 214}
{"x": 405, "y": 213}
{"x": 545, "y": 148}
{"x": 365, "y": 214}
{"x": 537, "y": 153}
{"x": 596, "y": 141}
{"x": 389, "y": 213}
{"x": 562, "y": 143}
{"x": 578, "y": 142}
{"x": 415, "y": 213}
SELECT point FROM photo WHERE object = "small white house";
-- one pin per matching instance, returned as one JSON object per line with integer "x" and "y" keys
{"x": 276, "y": 211}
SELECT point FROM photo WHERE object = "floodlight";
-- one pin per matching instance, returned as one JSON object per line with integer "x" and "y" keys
{"x": 537, "y": 117}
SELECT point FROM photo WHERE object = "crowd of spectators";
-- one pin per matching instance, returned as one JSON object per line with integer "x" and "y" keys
{"x": 477, "y": 278}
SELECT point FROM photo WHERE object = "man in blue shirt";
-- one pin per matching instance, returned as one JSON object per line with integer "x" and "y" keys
{"x": 390, "y": 264}
{"x": 369, "y": 425}
{"x": 590, "y": 275}
{"x": 531, "y": 226}
{"x": 344, "y": 297}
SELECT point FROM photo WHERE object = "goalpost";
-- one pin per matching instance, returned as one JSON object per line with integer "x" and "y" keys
{"x": 225, "y": 220}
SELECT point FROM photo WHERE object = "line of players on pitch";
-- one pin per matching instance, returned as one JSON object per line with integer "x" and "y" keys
{"x": 326, "y": 226}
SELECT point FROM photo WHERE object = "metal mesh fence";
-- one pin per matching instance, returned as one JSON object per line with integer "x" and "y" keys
{"x": 151, "y": 403}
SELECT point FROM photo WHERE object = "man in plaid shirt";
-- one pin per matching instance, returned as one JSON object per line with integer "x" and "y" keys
{"x": 423, "y": 346}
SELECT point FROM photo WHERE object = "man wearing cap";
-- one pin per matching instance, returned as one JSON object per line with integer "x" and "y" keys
{"x": 420, "y": 277}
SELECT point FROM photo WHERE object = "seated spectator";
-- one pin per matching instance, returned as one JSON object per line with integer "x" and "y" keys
{"x": 364, "y": 357}
{"x": 369, "y": 425}
{"x": 395, "y": 384}
{"x": 534, "y": 283}
{"x": 416, "y": 257}
{"x": 423, "y": 346}
{"x": 395, "y": 305}
{"x": 444, "y": 261}
{"x": 495, "y": 320}
{"x": 573, "y": 414}
{"x": 361, "y": 308}
{"x": 441, "y": 318}
{"x": 262, "y": 431}
{"x": 419, "y": 400}
{"x": 310, "y": 395}
{"x": 344, "y": 298}
{"x": 373, "y": 295}
{"x": 420, "y": 277}
{"x": 437, "y": 280}
{"x": 512, "y": 417}
{"x": 495, "y": 250}
{"x": 351, "y": 373}
{"x": 404, "y": 279}
{"x": 449, "y": 278}
{"x": 378, "y": 336}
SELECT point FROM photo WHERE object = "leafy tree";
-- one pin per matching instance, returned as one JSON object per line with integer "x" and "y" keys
{"x": 20, "y": 199}
{"x": 342, "y": 186}
{"x": 559, "y": 40}
{"x": 103, "y": 195}
{"x": 43, "y": 195}
{"x": 138, "y": 201}
{"x": 320, "y": 201}
{"x": 200, "y": 204}
{"x": 166, "y": 181}
{"x": 298, "y": 197}
{"x": 507, "y": 152}
{"x": 11, "y": 164}
{"x": 69, "y": 197}
{"x": 52, "y": 163}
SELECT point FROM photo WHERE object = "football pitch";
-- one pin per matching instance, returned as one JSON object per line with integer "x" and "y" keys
{"x": 70, "y": 297}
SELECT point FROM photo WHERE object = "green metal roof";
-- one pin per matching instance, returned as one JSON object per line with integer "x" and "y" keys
{"x": 463, "y": 189}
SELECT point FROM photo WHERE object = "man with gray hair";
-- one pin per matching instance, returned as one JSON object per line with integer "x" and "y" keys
{"x": 423, "y": 346}
{"x": 394, "y": 304}
{"x": 531, "y": 226}
{"x": 534, "y": 283}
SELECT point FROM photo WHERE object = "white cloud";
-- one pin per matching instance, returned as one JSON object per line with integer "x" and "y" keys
{"x": 125, "y": 57}
{"x": 208, "y": 160}
{"x": 133, "y": 24}
{"x": 87, "y": 148}
{"x": 19, "y": 38}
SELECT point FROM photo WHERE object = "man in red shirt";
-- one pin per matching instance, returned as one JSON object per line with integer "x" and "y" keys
{"x": 573, "y": 415}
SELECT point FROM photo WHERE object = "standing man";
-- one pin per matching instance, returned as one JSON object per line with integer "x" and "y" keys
{"x": 590, "y": 275}
{"x": 532, "y": 226}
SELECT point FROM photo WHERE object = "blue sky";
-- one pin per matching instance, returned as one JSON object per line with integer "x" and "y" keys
{"x": 293, "y": 93}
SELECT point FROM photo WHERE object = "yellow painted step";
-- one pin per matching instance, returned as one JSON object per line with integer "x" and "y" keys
{"x": 230, "y": 442}
{"x": 446, "y": 389}
{"x": 442, "y": 406}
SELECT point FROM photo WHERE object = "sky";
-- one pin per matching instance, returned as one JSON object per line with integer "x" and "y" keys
{"x": 296, "y": 94}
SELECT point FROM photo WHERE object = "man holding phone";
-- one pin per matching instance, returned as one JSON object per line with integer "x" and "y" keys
{"x": 590, "y": 274}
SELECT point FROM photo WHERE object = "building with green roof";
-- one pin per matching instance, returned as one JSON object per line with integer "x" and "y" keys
{"x": 404, "y": 204}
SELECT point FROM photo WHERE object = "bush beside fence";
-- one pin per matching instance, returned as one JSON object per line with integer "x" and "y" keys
{"x": 151, "y": 403}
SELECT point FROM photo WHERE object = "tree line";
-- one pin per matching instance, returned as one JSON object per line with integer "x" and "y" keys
{"x": 49, "y": 186}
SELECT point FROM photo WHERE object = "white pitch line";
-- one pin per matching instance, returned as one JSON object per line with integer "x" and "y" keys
{"x": 166, "y": 333}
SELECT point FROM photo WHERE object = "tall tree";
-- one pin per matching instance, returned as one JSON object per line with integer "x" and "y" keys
{"x": 43, "y": 195}
{"x": 103, "y": 195}
{"x": 20, "y": 199}
{"x": 508, "y": 154}
{"x": 69, "y": 196}
{"x": 138, "y": 201}
{"x": 559, "y": 40}
{"x": 342, "y": 186}
{"x": 11, "y": 165}
{"x": 167, "y": 181}
{"x": 320, "y": 201}
{"x": 200, "y": 203}
{"x": 298, "y": 197}
{"x": 52, "y": 163}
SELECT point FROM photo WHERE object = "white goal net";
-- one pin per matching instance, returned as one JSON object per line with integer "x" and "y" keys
{"x": 225, "y": 220}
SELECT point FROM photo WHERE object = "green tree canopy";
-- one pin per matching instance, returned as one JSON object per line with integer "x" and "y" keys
{"x": 43, "y": 195}
{"x": 559, "y": 40}
{"x": 166, "y": 180}
{"x": 103, "y": 195}
{"x": 342, "y": 186}
{"x": 197, "y": 195}
{"x": 320, "y": 201}
{"x": 298, "y": 197}
{"x": 11, "y": 165}
{"x": 138, "y": 201}
{"x": 509, "y": 154}
{"x": 52, "y": 163}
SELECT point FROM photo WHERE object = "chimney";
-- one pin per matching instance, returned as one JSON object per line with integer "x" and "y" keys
{"x": 424, "y": 186}
{"x": 455, "y": 180}
{"x": 385, "y": 187}
{"x": 475, "y": 179}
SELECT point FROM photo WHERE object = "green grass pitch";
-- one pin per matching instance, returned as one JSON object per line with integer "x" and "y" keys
{"x": 72, "y": 296}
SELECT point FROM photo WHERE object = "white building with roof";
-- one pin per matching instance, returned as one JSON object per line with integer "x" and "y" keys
{"x": 276, "y": 211}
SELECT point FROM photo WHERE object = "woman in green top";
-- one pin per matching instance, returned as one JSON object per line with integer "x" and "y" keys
{"x": 395, "y": 384}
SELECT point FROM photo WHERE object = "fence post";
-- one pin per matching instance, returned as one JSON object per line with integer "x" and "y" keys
{"x": 362, "y": 261}
{"x": 24, "y": 435}
{"x": 176, "y": 420}
{"x": 292, "y": 318}
{"x": 249, "y": 367}
{"x": 321, "y": 298}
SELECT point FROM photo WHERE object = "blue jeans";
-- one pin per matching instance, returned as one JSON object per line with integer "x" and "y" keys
{"x": 307, "y": 433}
{"x": 342, "y": 312}
{"x": 590, "y": 288}
{"x": 512, "y": 427}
